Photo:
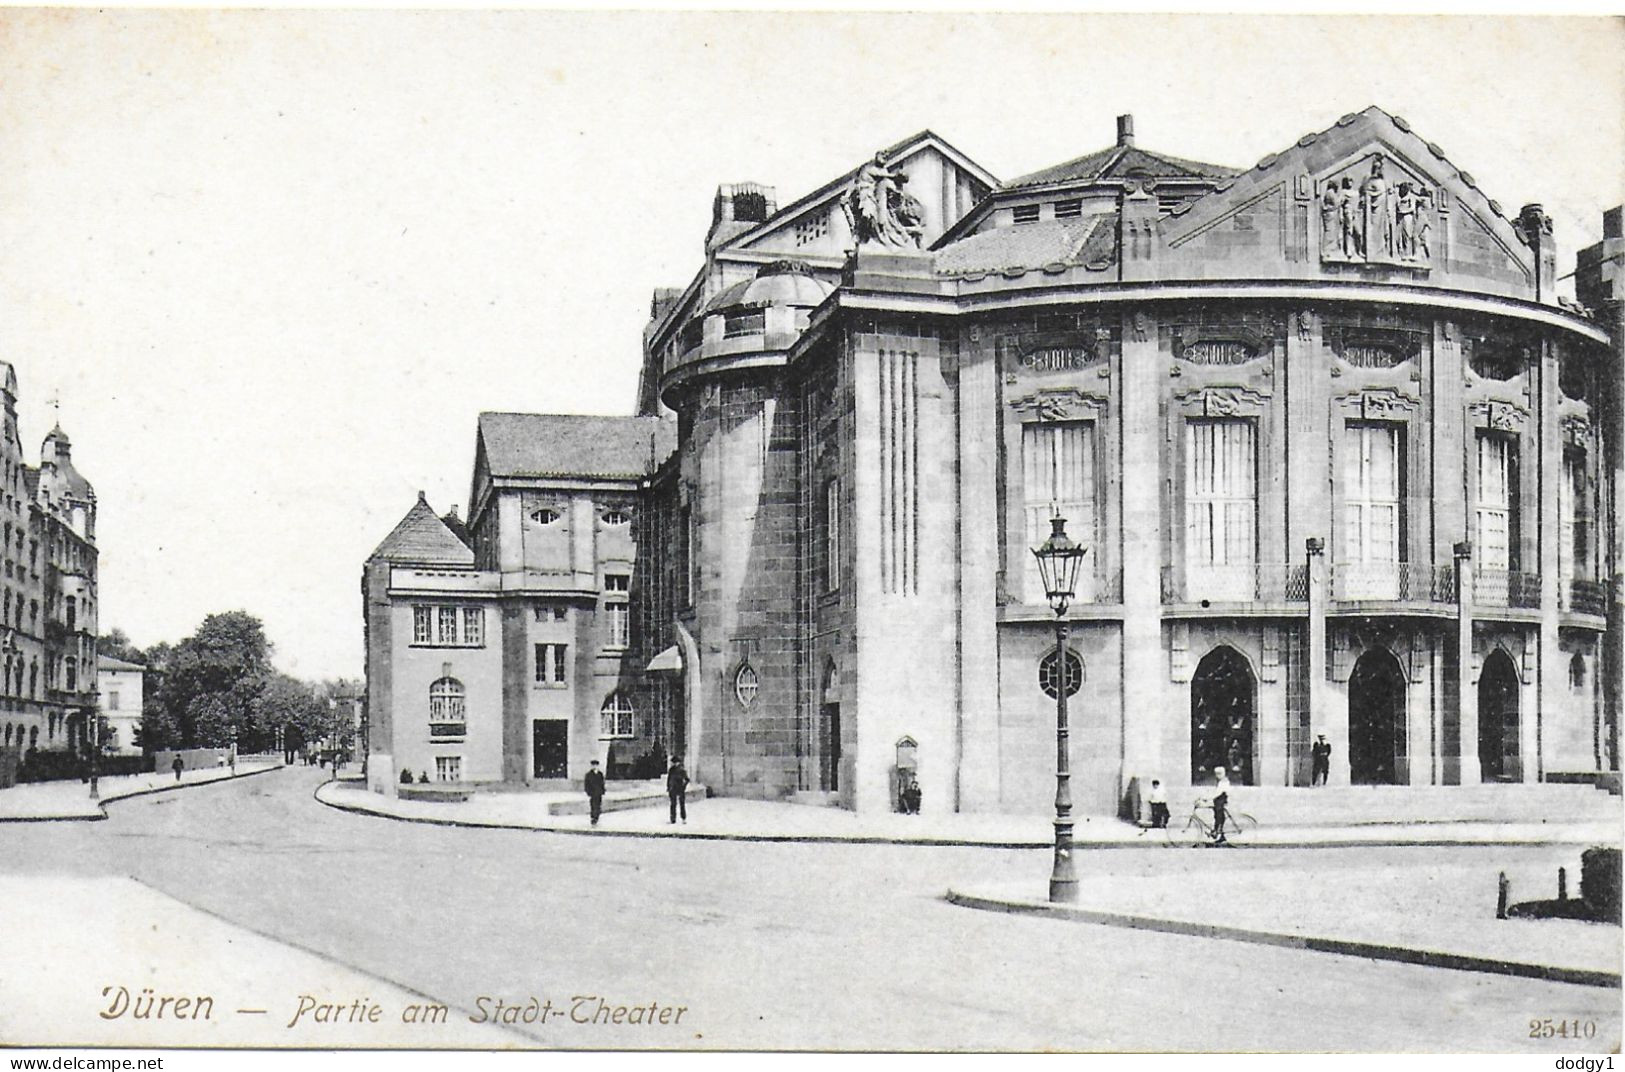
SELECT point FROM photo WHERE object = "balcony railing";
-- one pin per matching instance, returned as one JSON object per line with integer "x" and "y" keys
{"x": 1585, "y": 597}
{"x": 1100, "y": 588}
{"x": 1506, "y": 588}
{"x": 1269, "y": 582}
{"x": 1397, "y": 582}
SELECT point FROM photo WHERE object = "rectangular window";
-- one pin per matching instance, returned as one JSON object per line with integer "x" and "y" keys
{"x": 447, "y": 633}
{"x": 112, "y": 701}
{"x": 832, "y": 535}
{"x": 619, "y": 617}
{"x": 1221, "y": 508}
{"x": 1068, "y": 210}
{"x": 474, "y": 625}
{"x": 422, "y": 625}
{"x": 1025, "y": 213}
{"x": 1058, "y": 480}
{"x": 1495, "y": 508}
{"x": 617, "y": 582}
{"x": 1373, "y": 504}
{"x": 550, "y": 665}
{"x": 448, "y": 768}
{"x": 1572, "y": 518}
{"x": 549, "y": 614}
{"x": 736, "y": 324}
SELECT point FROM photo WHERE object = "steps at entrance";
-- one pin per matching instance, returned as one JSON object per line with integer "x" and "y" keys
{"x": 1375, "y": 804}
{"x": 624, "y": 797}
{"x": 815, "y": 798}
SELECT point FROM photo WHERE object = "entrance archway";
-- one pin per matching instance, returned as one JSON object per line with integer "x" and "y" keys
{"x": 1498, "y": 687}
{"x": 1223, "y": 695}
{"x": 1377, "y": 721}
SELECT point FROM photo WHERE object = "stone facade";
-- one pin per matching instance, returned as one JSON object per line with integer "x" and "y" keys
{"x": 497, "y": 651}
{"x": 1344, "y": 462}
{"x": 48, "y": 594}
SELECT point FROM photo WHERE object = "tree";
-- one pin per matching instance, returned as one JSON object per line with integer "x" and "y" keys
{"x": 212, "y": 680}
{"x": 116, "y": 644}
{"x": 293, "y": 707}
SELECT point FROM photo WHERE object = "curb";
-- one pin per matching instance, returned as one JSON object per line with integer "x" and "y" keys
{"x": 1426, "y": 958}
{"x": 882, "y": 839}
{"x": 102, "y": 803}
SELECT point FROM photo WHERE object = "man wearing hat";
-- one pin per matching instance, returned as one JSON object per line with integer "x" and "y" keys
{"x": 1320, "y": 760}
{"x": 594, "y": 784}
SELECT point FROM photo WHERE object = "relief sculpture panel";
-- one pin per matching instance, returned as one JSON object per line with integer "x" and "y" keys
{"x": 1374, "y": 212}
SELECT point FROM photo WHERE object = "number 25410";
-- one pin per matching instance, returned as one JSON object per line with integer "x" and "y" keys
{"x": 1570, "y": 1029}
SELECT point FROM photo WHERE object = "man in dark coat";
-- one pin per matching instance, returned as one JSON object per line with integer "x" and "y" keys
{"x": 177, "y": 766}
{"x": 594, "y": 785}
{"x": 677, "y": 789}
{"x": 1320, "y": 760}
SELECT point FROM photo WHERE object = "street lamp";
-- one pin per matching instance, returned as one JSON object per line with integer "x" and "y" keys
{"x": 1058, "y": 562}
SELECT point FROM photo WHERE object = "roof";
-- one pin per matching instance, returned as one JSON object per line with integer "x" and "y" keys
{"x": 572, "y": 445}
{"x": 1089, "y": 240}
{"x": 107, "y": 662}
{"x": 841, "y": 183}
{"x": 422, "y": 538}
{"x": 1120, "y": 161}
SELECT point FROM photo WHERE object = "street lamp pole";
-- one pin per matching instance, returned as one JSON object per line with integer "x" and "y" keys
{"x": 95, "y": 720}
{"x": 1058, "y": 561}
{"x": 1063, "y": 879}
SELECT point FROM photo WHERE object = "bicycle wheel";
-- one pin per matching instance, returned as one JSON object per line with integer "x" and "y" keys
{"x": 1188, "y": 836}
{"x": 1239, "y": 826}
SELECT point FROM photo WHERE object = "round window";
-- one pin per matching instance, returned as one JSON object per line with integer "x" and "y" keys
{"x": 746, "y": 685}
{"x": 1049, "y": 674}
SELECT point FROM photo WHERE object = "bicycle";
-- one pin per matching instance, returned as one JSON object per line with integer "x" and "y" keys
{"x": 1198, "y": 830}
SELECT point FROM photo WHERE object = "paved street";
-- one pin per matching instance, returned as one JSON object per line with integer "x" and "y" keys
{"x": 786, "y": 945}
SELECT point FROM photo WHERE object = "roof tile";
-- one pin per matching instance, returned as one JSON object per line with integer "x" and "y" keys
{"x": 422, "y": 538}
{"x": 571, "y": 445}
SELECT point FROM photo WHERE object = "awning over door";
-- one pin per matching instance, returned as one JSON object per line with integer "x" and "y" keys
{"x": 670, "y": 660}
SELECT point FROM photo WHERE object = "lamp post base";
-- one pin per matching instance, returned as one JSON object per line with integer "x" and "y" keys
{"x": 1063, "y": 880}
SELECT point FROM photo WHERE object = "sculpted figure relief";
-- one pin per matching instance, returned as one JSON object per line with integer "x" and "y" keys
{"x": 880, "y": 210}
{"x": 1378, "y": 222}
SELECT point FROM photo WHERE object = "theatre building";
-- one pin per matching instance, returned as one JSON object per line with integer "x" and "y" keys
{"x": 1344, "y": 461}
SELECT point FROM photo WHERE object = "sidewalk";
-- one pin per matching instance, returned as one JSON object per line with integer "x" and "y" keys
{"x": 1441, "y": 916}
{"x": 729, "y": 818}
{"x": 60, "y": 980}
{"x": 43, "y": 801}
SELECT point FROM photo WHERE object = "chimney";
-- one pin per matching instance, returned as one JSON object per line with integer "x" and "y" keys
{"x": 736, "y": 208}
{"x": 1125, "y": 130}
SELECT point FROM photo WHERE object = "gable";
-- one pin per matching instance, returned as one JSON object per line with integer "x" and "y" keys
{"x": 947, "y": 184}
{"x": 1366, "y": 200}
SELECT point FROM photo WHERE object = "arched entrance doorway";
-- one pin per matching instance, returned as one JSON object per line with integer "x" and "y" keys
{"x": 1377, "y": 721}
{"x": 1498, "y": 719}
{"x": 1222, "y": 717}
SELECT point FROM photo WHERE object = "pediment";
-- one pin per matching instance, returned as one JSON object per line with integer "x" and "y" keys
{"x": 1366, "y": 198}
{"x": 945, "y": 182}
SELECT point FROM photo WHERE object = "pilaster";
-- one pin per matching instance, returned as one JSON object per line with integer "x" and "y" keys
{"x": 1551, "y": 682}
{"x": 977, "y": 524}
{"x": 1145, "y": 675}
{"x": 1466, "y": 689}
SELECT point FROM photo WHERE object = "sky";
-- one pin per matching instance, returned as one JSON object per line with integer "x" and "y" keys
{"x": 270, "y": 266}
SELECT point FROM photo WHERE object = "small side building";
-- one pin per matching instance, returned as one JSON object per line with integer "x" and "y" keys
{"x": 120, "y": 687}
{"x": 509, "y": 658}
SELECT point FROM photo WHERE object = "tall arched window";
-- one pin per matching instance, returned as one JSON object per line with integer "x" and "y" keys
{"x": 447, "y": 712}
{"x": 617, "y": 716}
